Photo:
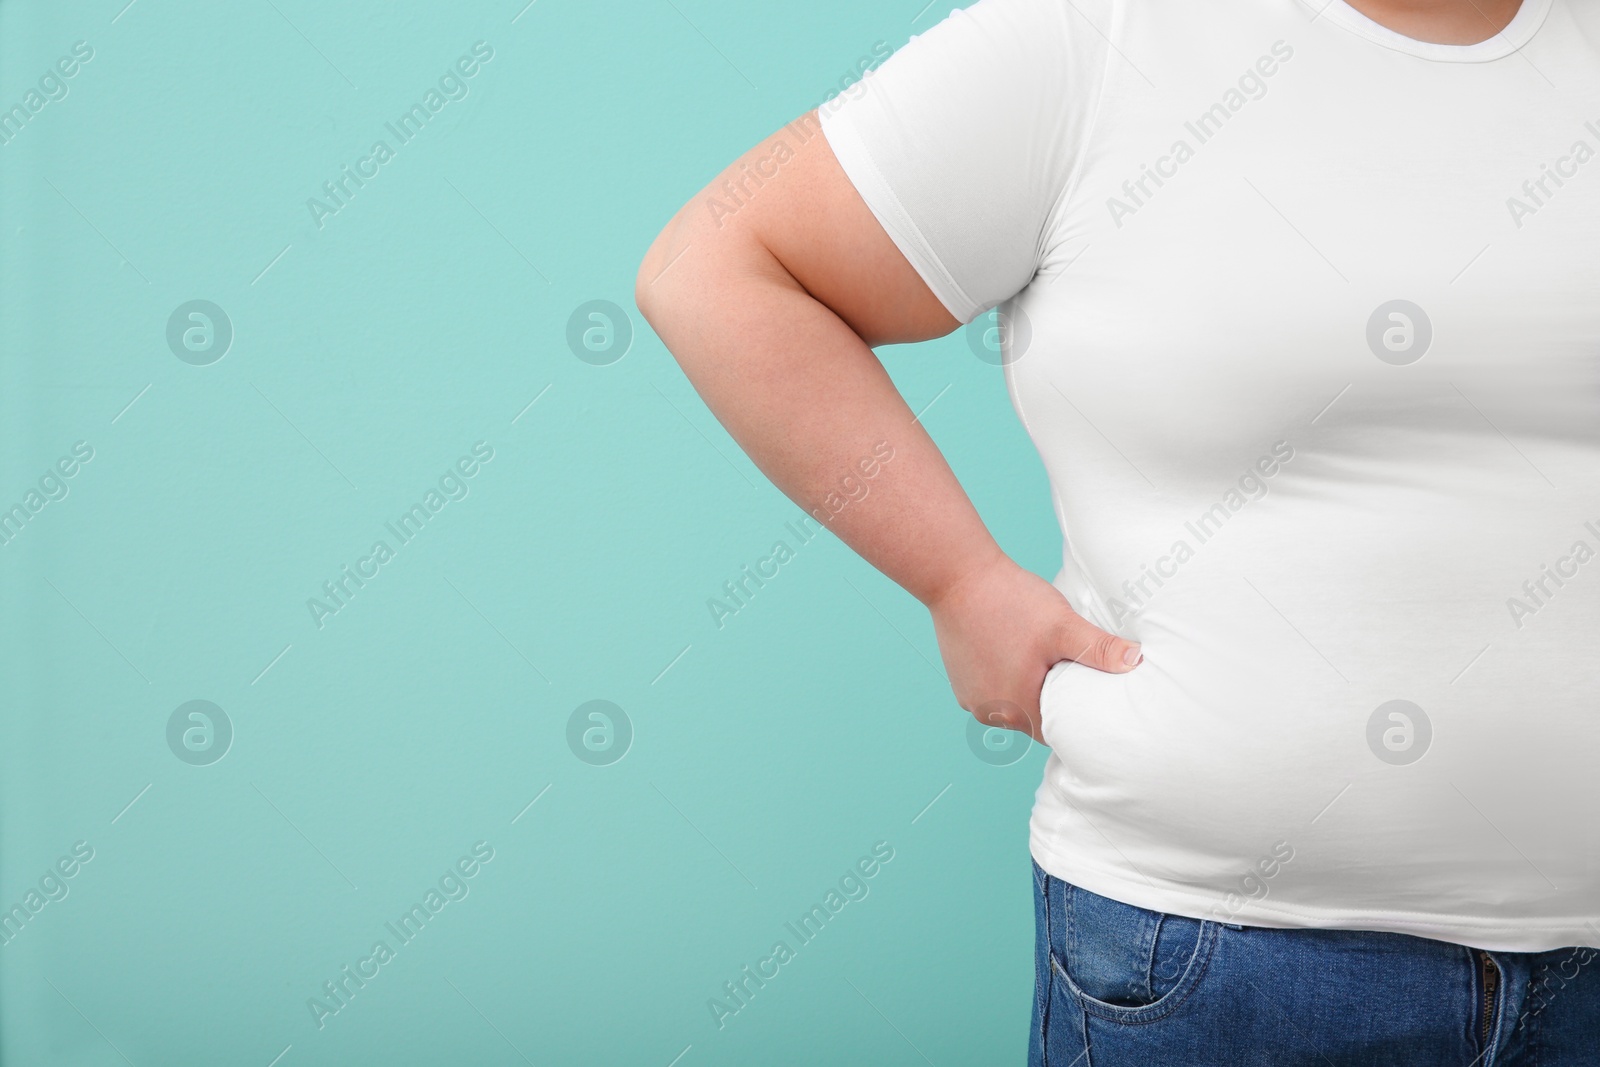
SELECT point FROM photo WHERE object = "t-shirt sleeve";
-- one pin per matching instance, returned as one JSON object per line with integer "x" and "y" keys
{"x": 963, "y": 141}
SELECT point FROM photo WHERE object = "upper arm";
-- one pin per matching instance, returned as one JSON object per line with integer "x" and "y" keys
{"x": 788, "y": 205}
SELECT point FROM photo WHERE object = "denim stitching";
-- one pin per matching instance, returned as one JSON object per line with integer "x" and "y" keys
{"x": 1209, "y": 934}
{"x": 1532, "y": 1006}
{"x": 1146, "y": 937}
{"x": 1049, "y": 980}
{"x": 1069, "y": 935}
{"x": 1068, "y": 893}
{"x": 1535, "y": 1046}
{"x": 1149, "y": 934}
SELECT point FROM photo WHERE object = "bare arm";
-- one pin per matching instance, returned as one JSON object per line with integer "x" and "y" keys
{"x": 771, "y": 310}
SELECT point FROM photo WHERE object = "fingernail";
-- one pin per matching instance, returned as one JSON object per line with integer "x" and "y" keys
{"x": 1132, "y": 656}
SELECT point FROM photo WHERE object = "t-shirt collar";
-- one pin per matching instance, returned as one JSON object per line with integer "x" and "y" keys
{"x": 1529, "y": 17}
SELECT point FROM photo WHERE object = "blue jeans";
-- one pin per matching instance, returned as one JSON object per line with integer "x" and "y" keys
{"x": 1121, "y": 986}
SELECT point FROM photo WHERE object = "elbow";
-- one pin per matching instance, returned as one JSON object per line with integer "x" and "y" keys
{"x": 650, "y": 286}
{"x": 645, "y": 296}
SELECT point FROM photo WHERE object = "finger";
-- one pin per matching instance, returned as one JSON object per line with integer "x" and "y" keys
{"x": 1081, "y": 640}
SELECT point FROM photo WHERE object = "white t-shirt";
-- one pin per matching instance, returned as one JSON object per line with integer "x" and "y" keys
{"x": 1304, "y": 320}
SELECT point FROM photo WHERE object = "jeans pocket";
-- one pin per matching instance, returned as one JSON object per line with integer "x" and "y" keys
{"x": 1127, "y": 963}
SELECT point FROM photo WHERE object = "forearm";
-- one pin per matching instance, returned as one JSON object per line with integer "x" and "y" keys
{"x": 808, "y": 401}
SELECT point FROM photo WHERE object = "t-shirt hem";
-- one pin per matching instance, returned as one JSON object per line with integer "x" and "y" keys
{"x": 858, "y": 165}
{"x": 1493, "y": 935}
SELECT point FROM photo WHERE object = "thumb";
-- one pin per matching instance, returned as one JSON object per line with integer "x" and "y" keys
{"x": 1079, "y": 639}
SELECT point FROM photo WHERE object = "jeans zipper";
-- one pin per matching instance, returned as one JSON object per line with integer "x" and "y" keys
{"x": 1491, "y": 986}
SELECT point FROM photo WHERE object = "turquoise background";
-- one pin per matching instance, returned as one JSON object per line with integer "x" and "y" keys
{"x": 368, "y": 755}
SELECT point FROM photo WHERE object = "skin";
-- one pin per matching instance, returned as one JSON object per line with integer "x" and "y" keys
{"x": 772, "y": 299}
{"x": 1441, "y": 21}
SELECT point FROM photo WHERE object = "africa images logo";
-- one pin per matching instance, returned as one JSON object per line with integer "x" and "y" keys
{"x": 1251, "y": 85}
{"x": 453, "y": 484}
{"x": 453, "y": 85}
